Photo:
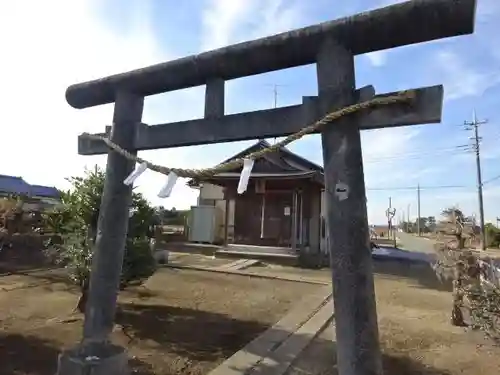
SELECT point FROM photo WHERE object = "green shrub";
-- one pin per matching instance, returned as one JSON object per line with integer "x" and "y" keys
{"x": 74, "y": 225}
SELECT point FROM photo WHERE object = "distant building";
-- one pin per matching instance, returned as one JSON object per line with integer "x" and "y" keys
{"x": 36, "y": 196}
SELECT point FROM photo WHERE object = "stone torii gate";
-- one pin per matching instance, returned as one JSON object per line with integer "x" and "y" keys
{"x": 332, "y": 46}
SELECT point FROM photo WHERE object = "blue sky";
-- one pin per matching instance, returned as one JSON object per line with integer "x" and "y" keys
{"x": 53, "y": 44}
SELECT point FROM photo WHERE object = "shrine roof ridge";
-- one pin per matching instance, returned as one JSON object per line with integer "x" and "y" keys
{"x": 392, "y": 26}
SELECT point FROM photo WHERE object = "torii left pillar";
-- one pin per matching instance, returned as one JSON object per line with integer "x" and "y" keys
{"x": 95, "y": 355}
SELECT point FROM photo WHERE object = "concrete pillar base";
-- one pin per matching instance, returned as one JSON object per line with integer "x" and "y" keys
{"x": 101, "y": 359}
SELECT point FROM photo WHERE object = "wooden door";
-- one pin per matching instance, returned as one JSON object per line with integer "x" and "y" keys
{"x": 278, "y": 215}
{"x": 247, "y": 216}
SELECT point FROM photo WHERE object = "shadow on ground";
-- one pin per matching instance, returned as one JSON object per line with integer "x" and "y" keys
{"x": 10, "y": 268}
{"x": 27, "y": 355}
{"x": 208, "y": 337}
{"x": 419, "y": 271}
{"x": 30, "y": 355}
{"x": 198, "y": 335}
{"x": 320, "y": 358}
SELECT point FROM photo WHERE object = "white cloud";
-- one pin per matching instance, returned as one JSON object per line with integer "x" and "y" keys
{"x": 387, "y": 142}
{"x": 231, "y": 21}
{"x": 384, "y": 153}
{"x": 469, "y": 70}
{"x": 461, "y": 79}
{"x": 81, "y": 46}
{"x": 386, "y": 3}
{"x": 487, "y": 9}
{"x": 219, "y": 20}
{"x": 467, "y": 199}
{"x": 377, "y": 58}
{"x": 490, "y": 150}
{"x": 58, "y": 43}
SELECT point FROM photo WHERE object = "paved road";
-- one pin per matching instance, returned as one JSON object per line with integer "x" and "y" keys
{"x": 414, "y": 243}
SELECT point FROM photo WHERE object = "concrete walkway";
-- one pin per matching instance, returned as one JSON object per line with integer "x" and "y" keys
{"x": 274, "y": 351}
{"x": 239, "y": 264}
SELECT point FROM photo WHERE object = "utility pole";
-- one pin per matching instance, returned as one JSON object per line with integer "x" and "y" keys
{"x": 390, "y": 212}
{"x": 418, "y": 210}
{"x": 275, "y": 92}
{"x": 474, "y": 125}
{"x": 388, "y": 217}
{"x": 408, "y": 221}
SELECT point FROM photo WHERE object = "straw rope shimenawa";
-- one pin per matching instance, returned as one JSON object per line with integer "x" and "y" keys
{"x": 401, "y": 97}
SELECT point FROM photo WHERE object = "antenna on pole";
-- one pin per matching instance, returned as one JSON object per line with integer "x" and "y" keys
{"x": 275, "y": 97}
{"x": 275, "y": 93}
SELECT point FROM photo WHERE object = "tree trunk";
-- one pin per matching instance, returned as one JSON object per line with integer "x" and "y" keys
{"x": 457, "y": 317}
{"x": 460, "y": 241}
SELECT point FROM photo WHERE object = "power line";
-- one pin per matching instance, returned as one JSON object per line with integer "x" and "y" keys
{"x": 415, "y": 155}
{"x": 420, "y": 154}
{"x": 491, "y": 180}
{"x": 427, "y": 150}
{"x": 420, "y": 187}
{"x": 430, "y": 152}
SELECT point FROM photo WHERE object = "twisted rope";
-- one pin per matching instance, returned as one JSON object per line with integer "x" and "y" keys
{"x": 401, "y": 97}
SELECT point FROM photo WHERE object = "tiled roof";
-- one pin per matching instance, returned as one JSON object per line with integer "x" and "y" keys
{"x": 44, "y": 191}
{"x": 16, "y": 185}
{"x": 278, "y": 162}
{"x": 261, "y": 144}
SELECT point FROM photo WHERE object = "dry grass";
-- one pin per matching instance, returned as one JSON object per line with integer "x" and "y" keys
{"x": 415, "y": 331}
{"x": 187, "y": 321}
{"x": 182, "y": 322}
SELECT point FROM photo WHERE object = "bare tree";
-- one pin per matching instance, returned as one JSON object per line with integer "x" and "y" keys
{"x": 476, "y": 291}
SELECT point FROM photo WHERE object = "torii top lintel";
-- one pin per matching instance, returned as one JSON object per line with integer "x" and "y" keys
{"x": 413, "y": 21}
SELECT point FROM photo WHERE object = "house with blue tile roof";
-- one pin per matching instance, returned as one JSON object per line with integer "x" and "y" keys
{"x": 37, "y": 196}
{"x": 16, "y": 185}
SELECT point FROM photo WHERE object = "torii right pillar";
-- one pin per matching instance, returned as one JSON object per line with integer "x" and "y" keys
{"x": 346, "y": 220}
